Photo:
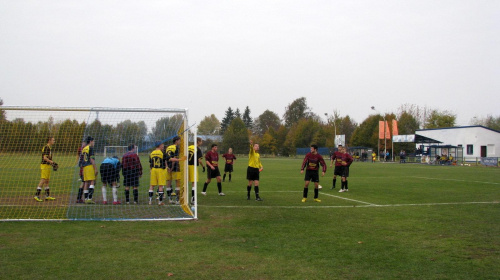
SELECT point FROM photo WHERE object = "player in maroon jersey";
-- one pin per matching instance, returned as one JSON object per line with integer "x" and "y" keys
{"x": 346, "y": 161}
{"x": 337, "y": 158}
{"x": 311, "y": 163}
{"x": 230, "y": 158}
{"x": 212, "y": 161}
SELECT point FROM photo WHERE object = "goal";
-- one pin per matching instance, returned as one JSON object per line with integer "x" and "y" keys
{"x": 110, "y": 151}
{"x": 24, "y": 132}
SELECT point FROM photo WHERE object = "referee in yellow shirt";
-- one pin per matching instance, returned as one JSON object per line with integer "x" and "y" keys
{"x": 253, "y": 170}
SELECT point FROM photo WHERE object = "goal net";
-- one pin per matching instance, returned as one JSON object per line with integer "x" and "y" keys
{"x": 31, "y": 138}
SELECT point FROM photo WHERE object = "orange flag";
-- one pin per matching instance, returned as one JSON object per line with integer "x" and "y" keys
{"x": 387, "y": 131}
{"x": 381, "y": 130}
{"x": 395, "y": 127}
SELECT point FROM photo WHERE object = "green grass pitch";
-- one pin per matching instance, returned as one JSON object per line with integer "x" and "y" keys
{"x": 398, "y": 221}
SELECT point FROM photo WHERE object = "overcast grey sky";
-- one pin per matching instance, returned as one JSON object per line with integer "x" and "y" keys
{"x": 209, "y": 55}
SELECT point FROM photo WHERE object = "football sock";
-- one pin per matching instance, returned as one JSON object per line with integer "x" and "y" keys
{"x": 47, "y": 191}
{"x": 86, "y": 194}
{"x": 316, "y": 193}
{"x": 249, "y": 189}
{"x": 256, "y": 191}
{"x": 334, "y": 182}
{"x": 115, "y": 194}
{"x": 38, "y": 191}
{"x": 224, "y": 177}
{"x": 104, "y": 193}
{"x": 219, "y": 187}
{"x": 229, "y": 177}
{"x": 151, "y": 195}
{"x": 136, "y": 195}
{"x": 306, "y": 190}
{"x": 160, "y": 194}
{"x": 127, "y": 195}
{"x": 91, "y": 191}
{"x": 346, "y": 187}
{"x": 169, "y": 191}
{"x": 80, "y": 193}
{"x": 205, "y": 187}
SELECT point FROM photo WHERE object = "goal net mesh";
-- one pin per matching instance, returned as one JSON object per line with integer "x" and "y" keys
{"x": 24, "y": 132}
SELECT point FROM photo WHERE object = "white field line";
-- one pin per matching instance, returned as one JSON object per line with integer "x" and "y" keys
{"x": 349, "y": 206}
{"x": 359, "y": 201}
{"x": 456, "y": 180}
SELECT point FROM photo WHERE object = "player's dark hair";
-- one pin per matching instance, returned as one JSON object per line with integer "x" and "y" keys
{"x": 315, "y": 146}
{"x": 198, "y": 139}
{"x": 175, "y": 139}
{"x": 89, "y": 139}
{"x": 214, "y": 145}
{"x": 49, "y": 138}
{"x": 131, "y": 147}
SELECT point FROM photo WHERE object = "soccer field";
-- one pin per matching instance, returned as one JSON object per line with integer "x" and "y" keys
{"x": 396, "y": 222}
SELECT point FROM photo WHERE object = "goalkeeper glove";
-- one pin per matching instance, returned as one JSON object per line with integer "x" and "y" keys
{"x": 55, "y": 166}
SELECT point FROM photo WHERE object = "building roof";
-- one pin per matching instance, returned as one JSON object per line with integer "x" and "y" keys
{"x": 459, "y": 127}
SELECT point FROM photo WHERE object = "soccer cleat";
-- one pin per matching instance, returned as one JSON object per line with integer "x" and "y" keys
{"x": 150, "y": 202}
{"x": 104, "y": 202}
{"x": 50, "y": 198}
{"x": 320, "y": 187}
{"x": 341, "y": 190}
{"x": 346, "y": 190}
{"x": 258, "y": 199}
{"x": 136, "y": 202}
{"x": 204, "y": 193}
{"x": 116, "y": 202}
{"x": 304, "y": 199}
{"x": 317, "y": 200}
{"x": 222, "y": 194}
{"x": 79, "y": 201}
{"x": 161, "y": 203}
{"x": 38, "y": 199}
{"x": 128, "y": 202}
{"x": 89, "y": 201}
{"x": 248, "y": 197}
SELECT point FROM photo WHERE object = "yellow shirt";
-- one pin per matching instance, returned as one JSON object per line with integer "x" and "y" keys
{"x": 254, "y": 159}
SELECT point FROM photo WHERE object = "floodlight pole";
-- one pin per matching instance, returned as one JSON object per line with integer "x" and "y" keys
{"x": 385, "y": 138}
{"x": 335, "y": 130}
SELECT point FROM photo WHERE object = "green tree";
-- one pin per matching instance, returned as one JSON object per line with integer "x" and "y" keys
{"x": 210, "y": 125}
{"x": 2, "y": 112}
{"x": 439, "y": 119}
{"x": 226, "y": 121}
{"x": 296, "y": 111}
{"x": 366, "y": 134}
{"x": 247, "y": 119}
{"x": 167, "y": 127}
{"x": 236, "y": 137}
{"x": 266, "y": 121}
{"x": 268, "y": 144}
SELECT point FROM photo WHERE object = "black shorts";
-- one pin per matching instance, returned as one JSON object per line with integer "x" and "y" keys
{"x": 346, "y": 172}
{"x": 252, "y": 174}
{"x": 312, "y": 175}
{"x": 213, "y": 173}
{"x": 131, "y": 178}
{"x": 339, "y": 170}
{"x": 109, "y": 174}
{"x": 228, "y": 168}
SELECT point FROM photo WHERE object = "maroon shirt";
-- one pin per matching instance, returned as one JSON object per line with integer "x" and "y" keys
{"x": 347, "y": 159}
{"x": 229, "y": 158}
{"x": 337, "y": 157}
{"x": 312, "y": 162}
{"x": 131, "y": 161}
{"x": 213, "y": 158}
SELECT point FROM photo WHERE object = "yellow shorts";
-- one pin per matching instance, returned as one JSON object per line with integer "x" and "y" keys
{"x": 46, "y": 169}
{"x": 88, "y": 173}
{"x": 191, "y": 173}
{"x": 173, "y": 176}
{"x": 158, "y": 177}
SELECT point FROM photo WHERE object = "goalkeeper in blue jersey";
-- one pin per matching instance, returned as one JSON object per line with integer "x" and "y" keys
{"x": 110, "y": 176}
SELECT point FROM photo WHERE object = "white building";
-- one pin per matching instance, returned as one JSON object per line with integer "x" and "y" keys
{"x": 477, "y": 141}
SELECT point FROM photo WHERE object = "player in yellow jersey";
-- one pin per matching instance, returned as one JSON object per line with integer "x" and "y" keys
{"x": 253, "y": 170}
{"x": 46, "y": 167}
{"x": 87, "y": 161}
{"x": 173, "y": 170}
{"x": 193, "y": 163}
{"x": 157, "y": 164}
